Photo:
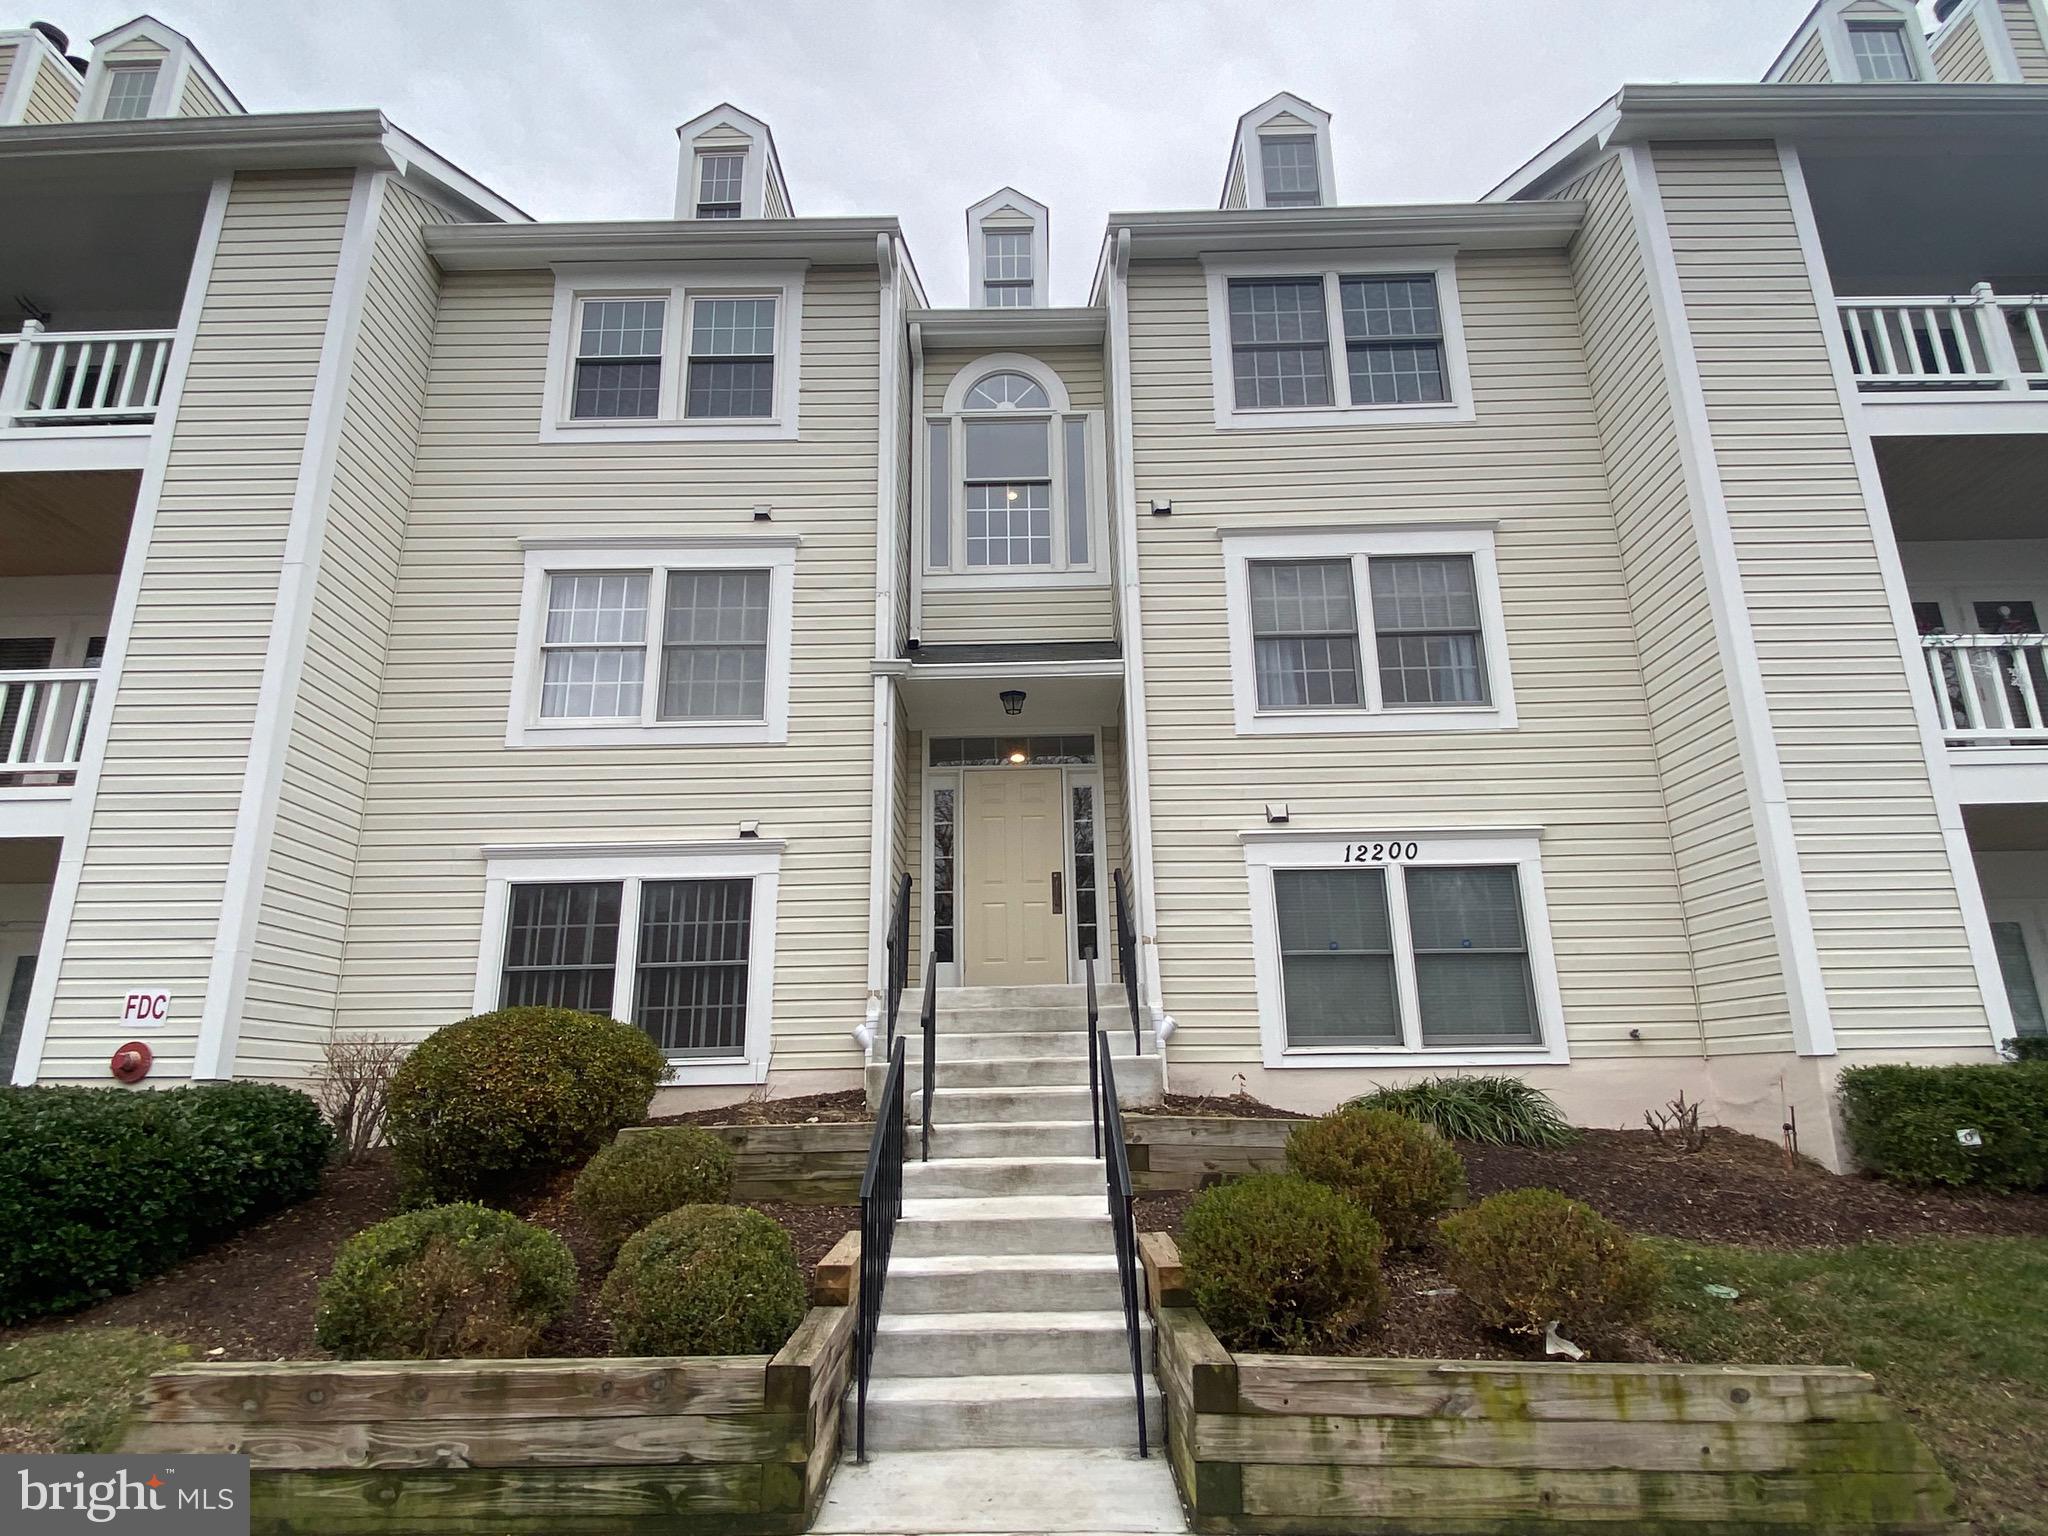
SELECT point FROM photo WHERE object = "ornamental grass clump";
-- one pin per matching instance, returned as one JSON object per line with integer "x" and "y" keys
{"x": 1531, "y": 1257}
{"x": 648, "y": 1174}
{"x": 488, "y": 1105}
{"x": 1489, "y": 1108}
{"x": 705, "y": 1280}
{"x": 1276, "y": 1262}
{"x": 1399, "y": 1170}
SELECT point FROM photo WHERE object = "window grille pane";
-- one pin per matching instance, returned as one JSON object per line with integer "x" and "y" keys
{"x": 1007, "y": 295}
{"x": 1471, "y": 957}
{"x": 1336, "y": 957}
{"x": 987, "y": 751}
{"x": 714, "y": 663}
{"x": 1304, "y": 634}
{"x": 1006, "y": 254}
{"x": 129, "y": 89}
{"x": 1378, "y": 308}
{"x": 1009, "y": 525}
{"x": 1426, "y": 617}
{"x": 621, "y": 328}
{"x": 618, "y": 360}
{"x": 732, "y": 358}
{"x": 942, "y": 874}
{"x": 940, "y": 516}
{"x": 1014, "y": 389}
{"x": 1077, "y": 490}
{"x": 721, "y": 390}
{"x": 1279, "y": 338}
{"x": 1085, "y": 940}
{"x": 1385, "y": 365}
{"x": 1290, "y": 172}
{"x": 593, "y": 656}
{"x": 1880, "y": 52}
{"x": 690, "y": 986}
{"x": 1008, "y": 450}
{"x": 718, "y": 185}
{"x": 2021, "y": 989}
{"x": 561, "y": 947}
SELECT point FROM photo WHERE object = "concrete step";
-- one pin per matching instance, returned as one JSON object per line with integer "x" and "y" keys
{"x": 1013, "y": 1139}
{"x": 931, "y": 1413}
{"x": 961, "y": 1106}
{"x": 1006, "y": 1343}
{"x": 1016, "y": 1016}
{"x": 1059, "y": 995}
{"x": 1018, "y": 1071}
{"x": 1038, "y": 1282}
{"x": 950, "y": 1177}
{"x": 1003, "y": 1224}
{"x": 1061, "y": 1043}
{"x": 1104, "y": 1493}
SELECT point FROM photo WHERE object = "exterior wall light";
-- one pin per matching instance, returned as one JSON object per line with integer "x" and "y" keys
{"x": 1013, "y": 701}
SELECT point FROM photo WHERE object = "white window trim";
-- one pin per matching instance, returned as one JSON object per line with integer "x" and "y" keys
{"x": 526, "y": 728}
{"x": 958, "y": 576}
{"x": 750, "y": 176}
{"x": 1007, "y": 211}
{"x": 1439, "y": 263}
{"x": 1241, "y": 547}
{"x": 575, "y": 282}
{"x": 1841, "y": 54}
{"x": 1259, "y": 124}
{"x": 1265, "y": 852}
{"x": 759, "y": 860}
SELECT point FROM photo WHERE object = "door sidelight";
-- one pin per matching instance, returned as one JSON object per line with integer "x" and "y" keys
{"x": 1058, "y": 906}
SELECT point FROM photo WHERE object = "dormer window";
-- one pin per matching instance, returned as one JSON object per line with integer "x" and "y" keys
{"x": 719, "y": 179}
{"x": 1289, "y": 163}
{"x": 1006, "y": 268}
{"x": 130, "y": 89}
{"x": 1881, "y": 52}
{"x": 1006, "y": 251}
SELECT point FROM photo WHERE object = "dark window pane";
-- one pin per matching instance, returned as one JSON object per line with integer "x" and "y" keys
{"x": 1471, "y": 958}
{"x": 1280, "y": 342}
{"x": 1305, "y": 634}
{"x": 561, "y": 947}
{"x": 691, "y": 990}
{"x": 719, "y": 390}
{"x": 617, "y": 391}
{"x": 1336, "y": 957}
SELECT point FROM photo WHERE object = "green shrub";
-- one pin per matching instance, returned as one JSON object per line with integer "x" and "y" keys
{"x": 705, "y": 1280}
{"x": 1902, "y": 1123}
{"x": 1398, "y": 1169}
{"x": 649, "y": 1174}
{"x": 447, "y": 1282}
{"x": 2027, "y": 1048}
{"x": 102, "y": 1187}
{"x": 488, "y": 1104}
{"x": 1531, "y": 1257}
{"x": 1493, "y": 1109}
{"x": 1276, "y": 1262}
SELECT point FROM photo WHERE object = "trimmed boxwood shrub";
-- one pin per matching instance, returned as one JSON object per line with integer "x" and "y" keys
{"x": 1902, "y": 1123}
{"x": 1277, "y": 1262}
{"x": 1398, "y": 1169}
{"x": 462, "y": 1282}
{"x": 102, "y": 1187}
{"x": 485, "y": 1106}
{"x": 705, "y": 1280}
{"x": 648, "y": 1174}
{"x": 1531, "y": 1257}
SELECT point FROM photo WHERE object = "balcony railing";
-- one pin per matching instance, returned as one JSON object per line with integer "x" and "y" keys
{"x": 43, "y": 716}
{"x": 1990, "y": 690}
{"x": 80, "y": 378}
{"x": 1978, "y": 341}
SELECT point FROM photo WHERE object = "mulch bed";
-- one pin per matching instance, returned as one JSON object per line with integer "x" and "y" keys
{"x": 253, "y": 1297}
{"x": 1221, "y": 1106}
{"x": 845, "y": 1108}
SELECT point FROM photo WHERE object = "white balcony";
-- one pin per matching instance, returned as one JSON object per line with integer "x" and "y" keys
{"x": 1991, "y": 695}
{"x": 79, "y": 400}
{"x": 43, "y": 718}
{"x": 1956, "y": 362}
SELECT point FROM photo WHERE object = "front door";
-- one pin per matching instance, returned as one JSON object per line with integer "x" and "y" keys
{"x": 1014, "y": 863}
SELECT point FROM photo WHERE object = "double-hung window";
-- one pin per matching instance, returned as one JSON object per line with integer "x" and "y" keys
{"x": 720, "y": 175}
{"x": 678, "y": 943}
{"x": 1393, "y": 945}
{"x": 667, "y": 643}
{"x": 618, "y": 359}
{"x": 1006, "y": 275}
{"x": 130, "y": 90}
{"x": 1310, "y": 347}
{"x": 1288, "y": 164}
{"x": 1378, "y": 629}
{"x": 732, "y": 359}
{"x": 1881, "y": 52}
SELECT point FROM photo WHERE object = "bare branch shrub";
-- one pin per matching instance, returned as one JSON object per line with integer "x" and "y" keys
{"x": 1677, "y": 1122}
{"x": 353, "y": 1086}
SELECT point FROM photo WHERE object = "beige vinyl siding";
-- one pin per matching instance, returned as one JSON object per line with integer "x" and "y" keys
{"x": 772, "y": 202}
{"x": 7, "y": 53}
{"x": 443, "y": 783}
{"x": 1736, "y": 964}
{"x": 2023, "y": 26}
{"x": 724, "y": 136}
{"x": 1809, "y": 65}
{"x": 137, "y": 50}
{"x": 53, "y": 94}
{"x": 1583, "y": 764}
{"x": 155, "y": 863}
{"x": 1234, "y": 189}
{"x": 293, "y": 980}
{"x": 1889, "y": 929}
{"x": 1023, "y": 613}
{"x": 198, "y": 98}
{"x": 1960, "y": 57}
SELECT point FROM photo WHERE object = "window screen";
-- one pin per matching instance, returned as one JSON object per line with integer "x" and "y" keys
{"x": 1289, "y": 164}
{"x": 1304, "y": 634}
{"x": 1008, "y": 493}
{"x": 1279, "y": 342}
{"x": 1471, "y": 956}
{"x": 718, "y": 185}
{"x": 594, "y": 648}
{"x": 561, "y": 947}
{"x": 618, "y": 359}
{"x": 129, "y": 89}
{"x": 732, "y": 359}
{"x": 1425, "y": 615}
{"x": 714, "y": 646}
{"x": 1006, "y": 268}
{"x": 1336, "y": 957}
{"x": 690, "y": 991}
{"x": 939, "y": 516}
{"x": 1393, "y": 340}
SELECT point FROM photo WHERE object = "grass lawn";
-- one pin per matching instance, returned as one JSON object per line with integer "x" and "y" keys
{"x": 71, "y": 1391}
{"x": 1954, "y": 1329}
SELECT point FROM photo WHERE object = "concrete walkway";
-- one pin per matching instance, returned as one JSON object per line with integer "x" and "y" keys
{"x": 1002, "y": 1493}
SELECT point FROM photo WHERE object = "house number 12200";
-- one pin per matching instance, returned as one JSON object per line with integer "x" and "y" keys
{"x": 1378, "y": 853}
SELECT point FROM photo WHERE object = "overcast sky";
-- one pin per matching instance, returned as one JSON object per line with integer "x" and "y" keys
{"x": 921, "y": 107}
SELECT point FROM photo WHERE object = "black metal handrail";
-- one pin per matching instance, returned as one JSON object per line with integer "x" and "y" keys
{"x": 1127, "y": 954}
{"x": 928, "y": 1021}
{"x": 1094, "y": 1074}
{"x": 1123, "y": 1226}
{"x": 881, "y": 1202}
{"x": 898, "y": 955}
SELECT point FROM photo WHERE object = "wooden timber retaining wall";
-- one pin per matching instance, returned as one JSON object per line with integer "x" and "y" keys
{"x": 1171, "y": 1152}
{"x": 1284, "y": 1444}
{"x": 804, "y": 1164}
{"x": 732, "y": 1445}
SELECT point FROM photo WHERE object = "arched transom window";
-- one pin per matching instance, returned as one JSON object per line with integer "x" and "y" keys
{"x": 1007, "y": 469}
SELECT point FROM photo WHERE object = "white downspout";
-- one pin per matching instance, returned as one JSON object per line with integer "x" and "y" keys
{"x": 882, "y": 790}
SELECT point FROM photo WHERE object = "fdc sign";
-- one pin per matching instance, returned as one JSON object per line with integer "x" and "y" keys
{"x": 146, "y": 1010}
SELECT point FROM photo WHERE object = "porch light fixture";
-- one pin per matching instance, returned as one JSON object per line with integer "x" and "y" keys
{"x": 1013, "y": 701}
